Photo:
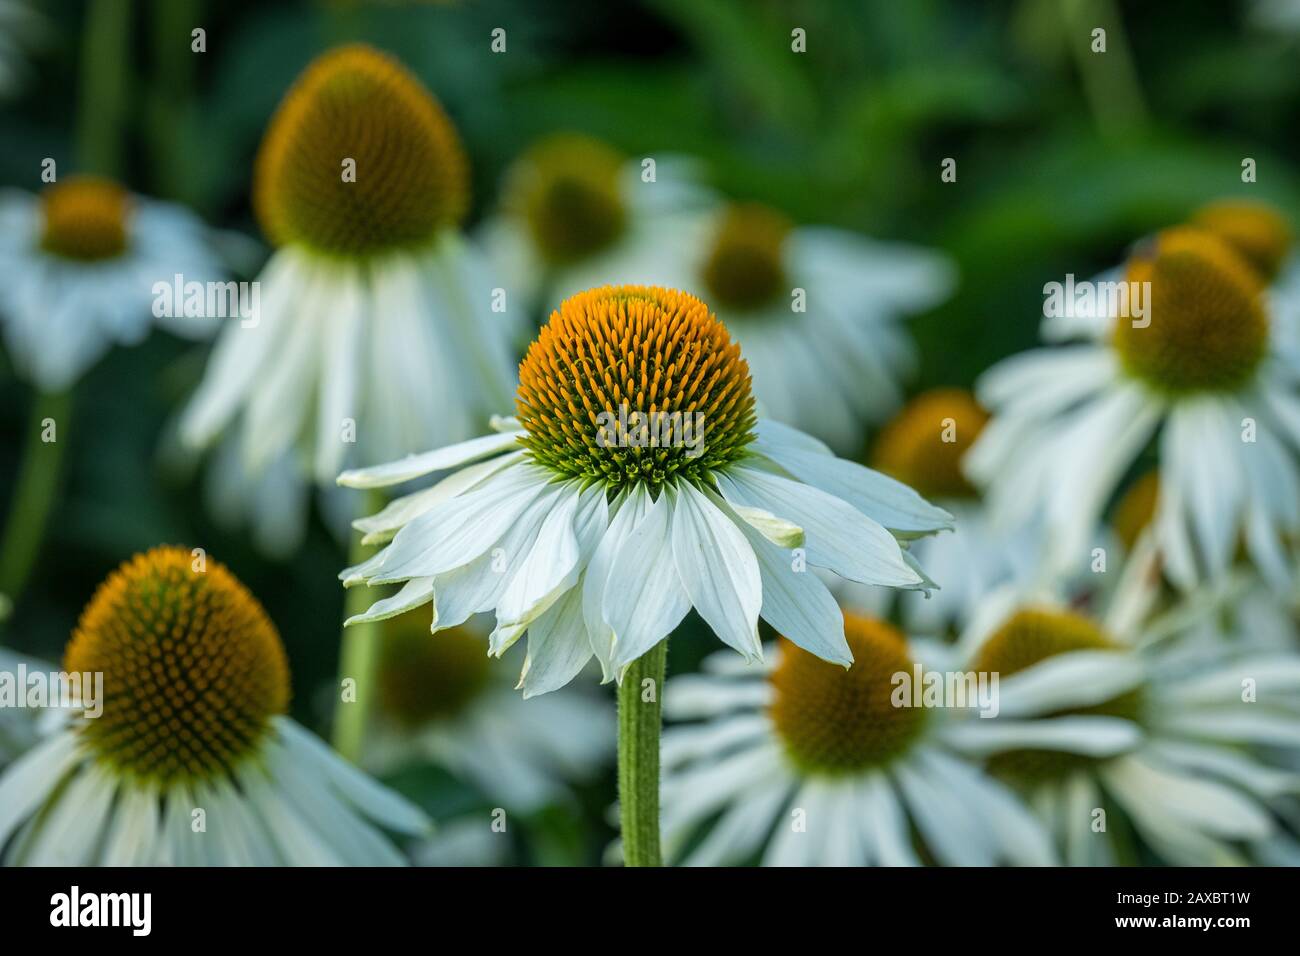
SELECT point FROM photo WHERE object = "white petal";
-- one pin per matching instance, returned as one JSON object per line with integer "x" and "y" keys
{"x": 836, "y": 535}
{"x": 886, "y": 824}
{"x": 414, "y": 466}
{"x": 384, "y": 806}
{"x": 241, "y": 352}
{"x": 135, "y": 827}
{"x": 455, "y": 532}
{"x": 1194, "y": 803}
{"x": 382, "y": 525}
{"x": 548, "y": 570}
{"x": 1076, "y": 679}
{"x": 884, "y": 500}
{"x": 29, "y": 780}
{"x": 343, "y": 324}
{"x": 414, "y": 593}
{"x": 627, "y": 513}
{"x": 1021, "y": 838}
{"x": 558, "y": 646}
{"x": 954, "y": 835}
{"x": 717, "y": 569}
{"x": 796, "y": 603}
{"x": 70, "y": 830}
{"x": 643, "y": 599}
{"x": 1093, "y": 736}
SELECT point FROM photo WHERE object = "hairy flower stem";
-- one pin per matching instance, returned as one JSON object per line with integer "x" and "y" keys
{"x": 38, "y": 479}
{"x": 640, "y": 705}
{"x": 358, "y": 656}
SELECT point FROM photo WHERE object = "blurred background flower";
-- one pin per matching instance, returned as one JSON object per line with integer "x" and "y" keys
{"x": 176, "y": 751}
{"x": 1133, "y": 741}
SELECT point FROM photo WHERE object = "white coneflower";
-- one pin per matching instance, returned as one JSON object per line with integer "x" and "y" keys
{"x": 923, "y": 447}
{"x": 577, "y": 527}
{"x": 802, "y": 763}
{"x": 1103, "y": 724}
{"x": 376, "y": 324}
{"x": 78, "y": 265}
{"x": 635, "y": 485}
{"x": 442, "y": 699}
{"x": 1204, "y": 373}
{"x": 192, "y": 760}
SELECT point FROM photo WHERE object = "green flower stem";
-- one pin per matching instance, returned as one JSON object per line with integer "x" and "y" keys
{"x": 639, "y": 721}
{"x": 38, "y": 479}
{"x": 105, "y": 54}
{"x": 358, "y": 655}
{"x": 1110, "y": 82}
{"x": 169, "y": 104}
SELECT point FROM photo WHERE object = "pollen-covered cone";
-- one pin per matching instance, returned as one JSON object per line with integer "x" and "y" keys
{"x": 180, "y": 752}
{"x": 376, "y": 331}
{"x": 635, "y": 484}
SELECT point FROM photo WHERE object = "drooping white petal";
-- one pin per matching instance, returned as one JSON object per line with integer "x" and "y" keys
{"x": 71, "y": 828}
{"x": 456, "y": 531}
{"x": 414, "y": 593}
{"x": 644, "y": 599}
{"x": 478, "y": 585}
{"x": 884, "y": 500}
{"x": 133, "y": 831}
{"x": 796, "y": 602}
{"x": 343, "y": 325}
{"x": 627, "y": 512}
{"x": 242, "y": 351}
{"x": 696, "y": 696}
{"x": 952, "y": 833}
{"x": 836, "y": 535}
{"x": 717, "y": 569}
{"x": 558, "y": 646}
{"x": 382, "y": 525}
{"x": 544, "y": 572}
{"x": 278, "y": 410}
{"x": 742, "y": 827}
{"x": 1020, "y": 837}
{"x": 886, "y": 824}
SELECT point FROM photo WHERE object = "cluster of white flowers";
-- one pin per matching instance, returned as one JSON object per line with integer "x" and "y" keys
{"x": 1098, "y": 541}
